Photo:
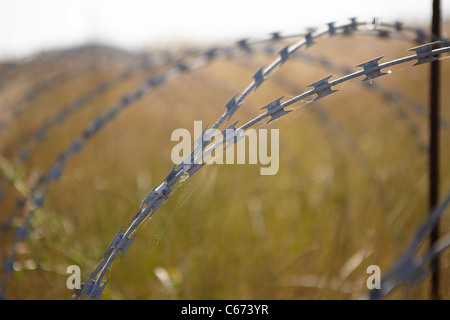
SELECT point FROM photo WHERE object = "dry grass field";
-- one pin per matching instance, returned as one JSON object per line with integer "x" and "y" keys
{"x": 351, "y": 189}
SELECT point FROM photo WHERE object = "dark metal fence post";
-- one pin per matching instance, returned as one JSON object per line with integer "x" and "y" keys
{"x": 434, "y": 146}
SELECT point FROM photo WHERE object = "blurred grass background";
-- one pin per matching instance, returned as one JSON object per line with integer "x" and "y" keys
{"x": 308, "y": 232}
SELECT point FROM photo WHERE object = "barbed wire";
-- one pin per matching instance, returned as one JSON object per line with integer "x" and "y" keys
{"x": 247, "y": 47}
{"x": 67, "y": 74}
{"x": 95, "y": 284}
{"x": 385, "y": 30}
{"x": 143, "y": 64}
{"x": 159, "y": 194}
{"x": 410, "y": 269}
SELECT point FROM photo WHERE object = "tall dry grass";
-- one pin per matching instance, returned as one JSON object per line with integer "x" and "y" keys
{"x": 308, "y": 232}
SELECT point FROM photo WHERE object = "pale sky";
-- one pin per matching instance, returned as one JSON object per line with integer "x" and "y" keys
{"x": 29, "y": 26}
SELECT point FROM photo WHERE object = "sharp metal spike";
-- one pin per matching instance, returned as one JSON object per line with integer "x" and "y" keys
{"x": 86, "y": 288}
{"x": 423, "y": 53}
{"x": 211, "y": 53}
{"x": 77, "y": 145}
{"x": 126, "y": 244}
{"x": 40, "y": 134}
{"x": 181, "y": 66}
{"x": 126, "y": 99}
{"x": 322, "y": 88}
{"x": 140, "y": 92}
{"x": 117, "y": 238}
{"x": 100, "y": 121}
{"x": 259, "y": 77}
{"x": 77, "y": 293}
{"x": 147, "y": 199}
{"x": 101, "y": 261}
{"x": 231, "y": 106}
{"x": 155, "y": 81}
{"x": 171, "y": 177}
{"x": 243, "y": 44}
{"x": 278, "y": 114}
{"x": 398, "y": 26}
{"x": 421, "y": 36}
{"x": 284, "y": 54}
{"x": 55, "y": 172}
{"x": 331, "y": 29}
{"x": 309, "y": 39}
{"x": 273, "y": 105}
{"x": 272, "y": 110}
{"x": 111, "y": 113}
{"x": 372, "y": 69}
{"x": 63, "y": 157}
{"x": 353, "y": 24}
{"x": 98, "y": 292}
{"x": 276, "y": 35}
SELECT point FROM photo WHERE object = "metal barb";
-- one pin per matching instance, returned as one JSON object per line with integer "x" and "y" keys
{"x": 331, "y": 28}
{"x": 275, "y": 35}
{"x": 243, "y": 44}
{"x": 273, "y": 109}
{"x": 273, "y": 105}
{"x": 259, "y": 78}
{"x": 211, "y": 53}
{"x": 423, "y": 53}
{"x": 147, "y": 199}
{"x": 97, "y": 293}
{"x": 421, "y": 36}
{"x": 284, "y": 54}
{"x": 353, "y": 24}
{"x": 171, "y": 178}
{"x": 372, "y": 69}
{"x": 231, "y": 106}
{"x": 125, "y": 245}
{"x": 181, "y": 66}
{"x": 398, "y": 26}
{"x": 309, "y": 39}
{"x": 322, "y": 88}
